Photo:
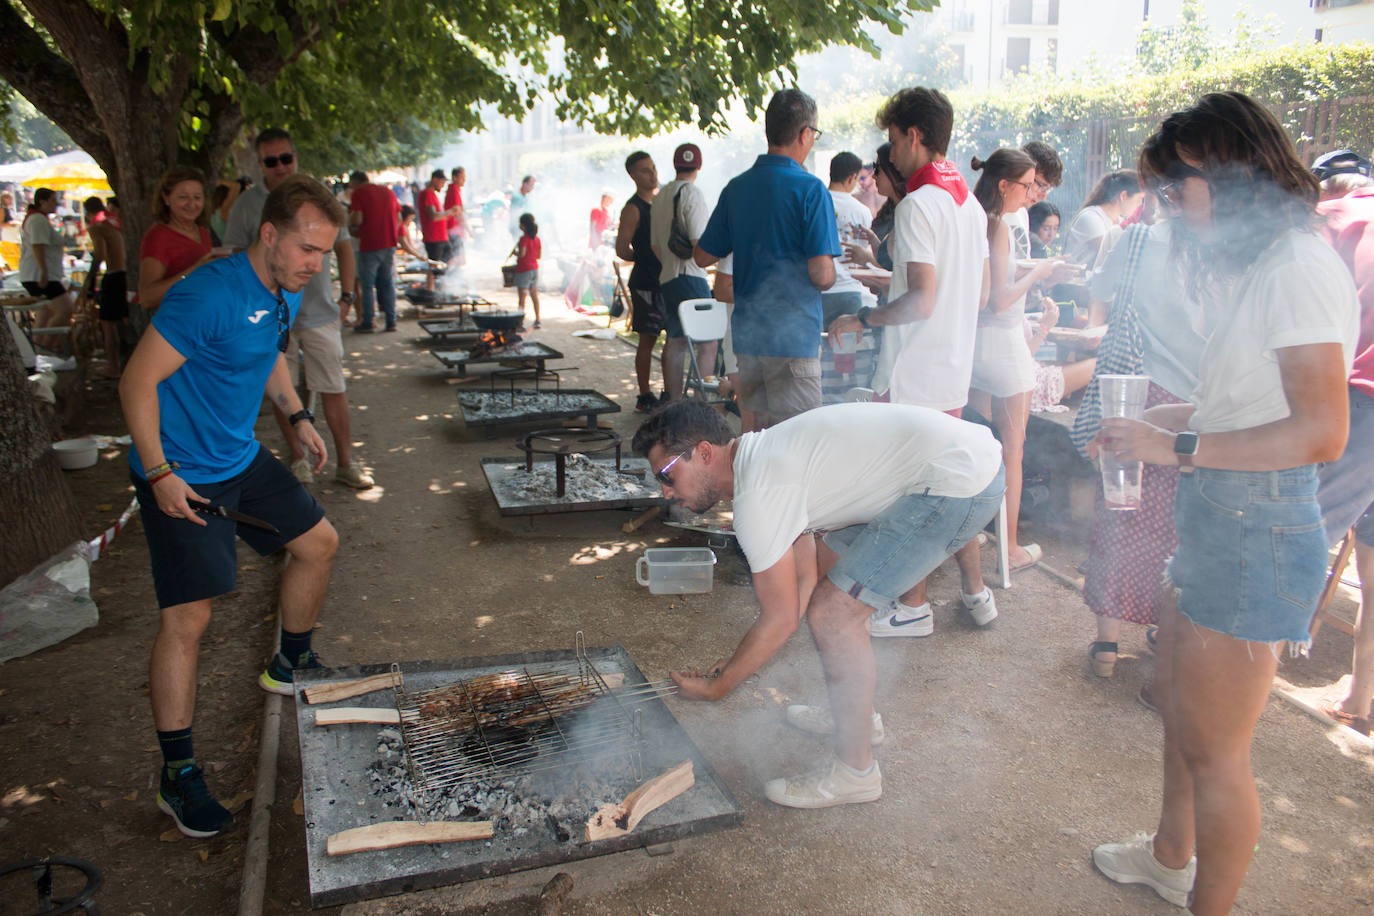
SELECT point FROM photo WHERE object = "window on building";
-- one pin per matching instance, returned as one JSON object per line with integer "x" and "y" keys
{"x": 958, "y": 52}
{"x": 1019, "y": 12}
{"x": 1018, "y": 54}
{"x": 1054, "y": 13}
{"x": 1052, "y": 53}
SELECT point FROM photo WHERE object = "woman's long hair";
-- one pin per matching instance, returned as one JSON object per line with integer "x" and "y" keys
{"x": 1110, "y": 186}
{"x": 883, "y": 163}
{"x": 1259, "y": 188}
{"x": 1003, "y": 165}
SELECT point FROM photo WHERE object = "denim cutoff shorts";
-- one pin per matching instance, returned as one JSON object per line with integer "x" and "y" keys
{"x": 1251, "y": 558}
{"x": 884, "y": 559}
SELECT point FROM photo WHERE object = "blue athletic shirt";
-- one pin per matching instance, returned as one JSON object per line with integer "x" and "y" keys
{"x": 224, "y": 322}
{"x": 773, "y": 218}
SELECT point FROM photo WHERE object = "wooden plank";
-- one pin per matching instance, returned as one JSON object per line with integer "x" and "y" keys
{"x": 405, "y": 833}
{"x": 342, "y": 690}
{"x": 651, "y": 795}
{"x": 349, "y": 715}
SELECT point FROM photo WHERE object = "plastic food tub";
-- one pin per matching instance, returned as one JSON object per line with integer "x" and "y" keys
{"x": 75, "y": 454}
{"x": 676, "y": 570}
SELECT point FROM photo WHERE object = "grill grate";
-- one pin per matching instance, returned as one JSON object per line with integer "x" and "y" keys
{"x": 520, "y": 721}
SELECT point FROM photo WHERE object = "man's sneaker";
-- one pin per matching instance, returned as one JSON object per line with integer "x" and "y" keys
{"x": 891, "y": 622}
{"x": 646, "y": 403}
{"x": 301, "y": 468}
{"x": 190, "y": 803}
{"x": 834, "y": 785}
{"x": 353, "y": 475}
{"x": 365, "y": 329}
{"x": 818, "y": 721}
{"x": 1134, "y": 862}
{"x": 390, "y": 327}
{"x": 278, "y": 677}
{"x": 982, "y": 608}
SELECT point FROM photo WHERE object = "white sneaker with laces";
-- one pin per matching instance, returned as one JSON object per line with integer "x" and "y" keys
{"x": 353, "y": 475}
{"x": 301, "y": 468}
{"x": 1133, "y": 862}
{"x": 892, "y": 622}
{"x": 836, "y": 784}
{"x": 818, "y": 721}
{"x": 982, "y": 607}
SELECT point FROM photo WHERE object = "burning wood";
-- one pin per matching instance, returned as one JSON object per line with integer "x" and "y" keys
{"x": 491, "y": 342}
{"x": 612, "y": 820}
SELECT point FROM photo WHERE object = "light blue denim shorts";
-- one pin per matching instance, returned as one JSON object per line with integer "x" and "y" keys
{"x": 1252, "y": 557}
{"x": 884, "y": 559}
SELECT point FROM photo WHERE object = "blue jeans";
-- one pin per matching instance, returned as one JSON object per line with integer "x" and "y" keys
{"x": 376, "y": 271}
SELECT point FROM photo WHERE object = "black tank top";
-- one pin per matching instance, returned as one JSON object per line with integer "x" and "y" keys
{"x": 644, "y": 275}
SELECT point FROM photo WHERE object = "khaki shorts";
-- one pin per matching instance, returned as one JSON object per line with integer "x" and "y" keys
{"x": 323, "y": 350}
{"x": 780, "y": 386}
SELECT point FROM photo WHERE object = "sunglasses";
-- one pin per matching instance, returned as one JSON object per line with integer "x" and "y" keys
{"x": 271, "y": 162}
{"x": 283, "y": 325}
{"x": 815, "y": 130}
{"x": 661, "y": 475}
{"x": 1171, "y": 191}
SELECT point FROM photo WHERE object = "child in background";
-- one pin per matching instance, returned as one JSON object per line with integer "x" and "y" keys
{"x": 527, "y": 251}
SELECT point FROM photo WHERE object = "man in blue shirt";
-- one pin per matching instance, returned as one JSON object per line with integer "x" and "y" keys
{"x": 191, "y": 393}
{"x": 779, "y": 222}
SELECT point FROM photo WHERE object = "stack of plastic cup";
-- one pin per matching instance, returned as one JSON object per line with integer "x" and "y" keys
{"x": 1122, "y": 396}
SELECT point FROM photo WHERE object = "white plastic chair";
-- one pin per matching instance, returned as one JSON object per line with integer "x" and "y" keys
{"x": 702, "y": 320}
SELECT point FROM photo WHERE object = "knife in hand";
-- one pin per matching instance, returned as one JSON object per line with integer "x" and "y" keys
{"x": 222, "y": 512}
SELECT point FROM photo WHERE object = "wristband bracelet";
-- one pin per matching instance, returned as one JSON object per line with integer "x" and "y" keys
{"x": 156, "y": 469}
{"x": 158, "y": 476}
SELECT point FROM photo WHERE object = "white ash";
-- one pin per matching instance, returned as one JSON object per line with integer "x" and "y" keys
{"x": 586, "y": 480}
{"x": 554, "y": 804}
{"x": 502, "y": 404}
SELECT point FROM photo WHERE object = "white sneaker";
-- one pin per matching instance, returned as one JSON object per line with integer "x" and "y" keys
{"x": 833, "y": 785}
{"x": 353, "y": 475}
{"x": 301, "y": 468}
{"x": 1133, "y": 862}
{"x": 982, "y": 608}
{"x": 891, "y": 622}
{"x": 818, "y": 721}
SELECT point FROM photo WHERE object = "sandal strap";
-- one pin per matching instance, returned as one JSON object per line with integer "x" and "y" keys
{"x": 1097, "y": 647}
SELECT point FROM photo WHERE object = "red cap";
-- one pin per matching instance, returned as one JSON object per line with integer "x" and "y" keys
{"x": 687, "y": 158}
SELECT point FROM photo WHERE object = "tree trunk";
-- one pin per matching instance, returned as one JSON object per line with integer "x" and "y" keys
{"x": 40, "y": 514}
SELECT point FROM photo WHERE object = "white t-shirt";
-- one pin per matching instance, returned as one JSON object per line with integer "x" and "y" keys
{"x": 692, "y": 213}
{"x": 1083, "y": 237}
{"x": 1298, "y": 292}
{"x": 850, "y": 214}
{"x": 844, "y": 464}
{"x": 38, "y": 230}
{"x": 929, "y": 362}
{"x": 1018, "y": 225}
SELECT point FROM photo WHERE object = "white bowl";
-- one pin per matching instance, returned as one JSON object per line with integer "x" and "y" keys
{"x": 75, "y": 454}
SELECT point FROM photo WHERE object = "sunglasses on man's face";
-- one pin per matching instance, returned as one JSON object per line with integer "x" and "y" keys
{"x": 271, "y": 162}
{"x": 283, "y": 325}
{"x": 661, "y": 475}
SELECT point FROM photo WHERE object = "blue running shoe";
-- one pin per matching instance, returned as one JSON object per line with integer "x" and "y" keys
{"x": 190, "y": 803}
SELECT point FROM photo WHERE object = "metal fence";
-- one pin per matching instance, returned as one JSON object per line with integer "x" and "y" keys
{"x": 1089, "y": 149}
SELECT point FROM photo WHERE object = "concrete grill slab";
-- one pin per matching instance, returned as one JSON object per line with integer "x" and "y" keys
{"x": 505, "y": 475}
{"x": 338, "y": 793}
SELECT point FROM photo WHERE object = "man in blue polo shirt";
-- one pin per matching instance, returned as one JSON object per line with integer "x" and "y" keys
{"x": 191, "y": 394}
{"x": 779, "y": 222}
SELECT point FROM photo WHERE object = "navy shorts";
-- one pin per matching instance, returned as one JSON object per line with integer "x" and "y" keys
{"x": 677, "y": 291}
{"x": 191, "y": 563}
{"x": 646, "y": 311}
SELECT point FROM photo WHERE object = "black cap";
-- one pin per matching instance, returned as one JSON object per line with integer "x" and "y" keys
{"x": 1340, "y": 162}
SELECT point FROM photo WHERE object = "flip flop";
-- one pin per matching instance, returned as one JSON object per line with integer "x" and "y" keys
{"x": 1035, "y": 554}
{"x": 1357, "y": 723}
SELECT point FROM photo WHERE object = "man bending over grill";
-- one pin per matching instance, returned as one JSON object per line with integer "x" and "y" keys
{"x": 191, "y": 393}
{"x": 895, "y": 488}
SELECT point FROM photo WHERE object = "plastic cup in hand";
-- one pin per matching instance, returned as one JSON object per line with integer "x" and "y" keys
{"x": 844, "y": 352}
{"x": 1122, "y": 396}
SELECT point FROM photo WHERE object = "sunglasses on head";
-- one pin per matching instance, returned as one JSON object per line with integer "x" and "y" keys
{"x": 661, "y": 475}
{"x": 272, "y": 162}
{"x": 283, "y": 325}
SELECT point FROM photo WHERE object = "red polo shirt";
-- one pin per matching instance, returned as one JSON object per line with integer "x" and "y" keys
{"x": 434, "y": 229}
{"x": 381, "y": 216}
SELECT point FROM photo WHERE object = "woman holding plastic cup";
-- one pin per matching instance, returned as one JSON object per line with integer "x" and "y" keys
{"x": 1251, "y": 557}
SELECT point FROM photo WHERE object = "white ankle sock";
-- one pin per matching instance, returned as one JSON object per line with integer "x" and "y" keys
{"x": 907, "y": 612}
{"x": 972, "y": 599}
{"x": 859, "y": 773}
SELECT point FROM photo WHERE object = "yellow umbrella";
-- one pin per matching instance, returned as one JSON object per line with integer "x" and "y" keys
{"x": 70, "y": 176}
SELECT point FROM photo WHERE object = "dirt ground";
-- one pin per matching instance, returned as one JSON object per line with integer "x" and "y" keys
{"x": 1007, "y": 761}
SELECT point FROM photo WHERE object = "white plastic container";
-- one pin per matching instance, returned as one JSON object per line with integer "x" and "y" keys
{"x": 75, "y": 454}
{"x": 676, "y": 570}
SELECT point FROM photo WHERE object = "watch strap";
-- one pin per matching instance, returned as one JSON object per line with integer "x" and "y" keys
{"x": 302, "y": 414}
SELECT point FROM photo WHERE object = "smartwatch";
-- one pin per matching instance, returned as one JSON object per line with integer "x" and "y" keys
{"x": 862, "y": 314}
{"x": 346, "y": 297}
{"x": 302, "y": 414}
{"x": 1185, "y": 447}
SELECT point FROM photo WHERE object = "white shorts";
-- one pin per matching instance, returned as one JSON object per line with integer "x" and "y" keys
{"x": 322, "y": 347}
{"x": 1002, "y": 362}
